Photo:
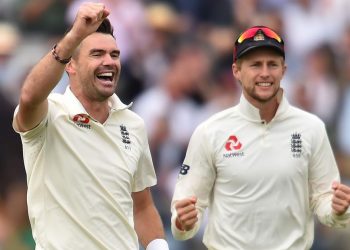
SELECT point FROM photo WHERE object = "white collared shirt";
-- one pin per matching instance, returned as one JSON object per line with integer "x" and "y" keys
{"x": 81, "y": 174}
{"x": 262, "y": 182}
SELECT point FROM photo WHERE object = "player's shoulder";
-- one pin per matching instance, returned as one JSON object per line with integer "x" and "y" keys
{"x": 225, "y": 114}
{"x": 307, "y": 118}
{"x": 58, "y": 101}
{"x": 306, "y": 121}
{"x": 56, "y": 97}
{"x": 133, "y": 116}
{"x": 218, "y": 120}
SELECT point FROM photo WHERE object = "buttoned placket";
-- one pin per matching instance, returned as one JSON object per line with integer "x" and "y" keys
{"x": 265, "y": 134}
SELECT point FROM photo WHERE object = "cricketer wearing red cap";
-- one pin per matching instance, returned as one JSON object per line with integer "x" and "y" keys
{"x": 263, "y": 168}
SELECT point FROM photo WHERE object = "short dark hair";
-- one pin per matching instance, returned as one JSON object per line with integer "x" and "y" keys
{"x": 106, "y": 27}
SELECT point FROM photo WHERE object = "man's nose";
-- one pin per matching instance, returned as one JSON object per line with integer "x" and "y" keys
{"x": 265, "y": 71}
{"x": 108, "y": 60}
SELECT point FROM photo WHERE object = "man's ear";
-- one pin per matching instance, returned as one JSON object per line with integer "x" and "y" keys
{"x": 284, "y": 69}
{"x": 236, "y": 71}
{"x": 70, "y": 67}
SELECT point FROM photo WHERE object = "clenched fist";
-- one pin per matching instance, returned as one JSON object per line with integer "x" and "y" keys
{"x": 186, "y": 213}
{"x": 88, "y": 19}
{"x": 341, "y": 198}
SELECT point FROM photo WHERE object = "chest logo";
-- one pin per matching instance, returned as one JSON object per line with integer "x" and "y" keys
{"x": 233, "y": 144}
{"x": 125, "y": 136}
{"x": 82, "y": 120}
{"x": 296, "y": 145}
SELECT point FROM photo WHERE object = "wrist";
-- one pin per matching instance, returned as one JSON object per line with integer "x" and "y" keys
{"x": 59, "y": 58}
{"x": 67, "y": 45}
{"x": 72, "y": 40}
{"x": 158, "y": 244}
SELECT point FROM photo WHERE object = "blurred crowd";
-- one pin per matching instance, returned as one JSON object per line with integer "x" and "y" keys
{"x": 176, "y": 69}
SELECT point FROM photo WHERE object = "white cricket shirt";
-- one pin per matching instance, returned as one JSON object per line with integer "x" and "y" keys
{"x": 81, "y": 174}
{"x": 262, "y": 182}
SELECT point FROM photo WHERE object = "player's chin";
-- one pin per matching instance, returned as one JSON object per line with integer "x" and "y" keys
{"x": 105, "y": 93}
{"x": 263, "y": 98}
{"x": 266, "y": 94}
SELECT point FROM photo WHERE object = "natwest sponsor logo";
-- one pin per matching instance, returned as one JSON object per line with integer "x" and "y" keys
{"x": 233, "y": 146}
{"x": 82, "y": 120}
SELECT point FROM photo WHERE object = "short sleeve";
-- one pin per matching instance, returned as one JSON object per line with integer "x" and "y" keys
{"x": 145, "y": 175}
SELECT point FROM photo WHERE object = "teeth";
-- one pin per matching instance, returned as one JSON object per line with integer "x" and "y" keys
{"x": 264, "y": 84}
{"x": 107, "y": 74}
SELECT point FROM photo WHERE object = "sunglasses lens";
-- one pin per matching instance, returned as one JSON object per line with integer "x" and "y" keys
{"x": 252, "y": 32}
{"x": 271, "y": 34}
{"x": 247, "y": 34}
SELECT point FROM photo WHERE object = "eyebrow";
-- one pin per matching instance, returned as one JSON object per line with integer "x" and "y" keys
{"x": 103, "y": 51}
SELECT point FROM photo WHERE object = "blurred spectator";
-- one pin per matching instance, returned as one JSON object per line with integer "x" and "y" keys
{"x": 20, "y": 62}
{"x": 169, "y": 103}
{"x": 7, "y": 10}
{"x": 147, "y": 68}
{"x": 15, "y": 232}
{"x": 202, "y": 12}
{"x": 9, "y": 39}
{"x": 343, "y": 135}
{"x": 318, "y": 88}
{"x": 39, "y": 22}
{"x": 272, "y": 5}
{"x": 42, "y": 16}
{"x": 342, "y": 52}
{"x": 166, "y": 26}
{"x": 309, "y": 23}
{"x": 243, "y": 11}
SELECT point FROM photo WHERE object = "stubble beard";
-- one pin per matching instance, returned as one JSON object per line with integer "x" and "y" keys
{"x": 260, "y": 99}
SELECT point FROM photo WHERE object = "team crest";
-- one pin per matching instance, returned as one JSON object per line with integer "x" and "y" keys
{"x": 125, "y": 136}
{"x": 296, "y": 145}
{"x": 259, "y": 37}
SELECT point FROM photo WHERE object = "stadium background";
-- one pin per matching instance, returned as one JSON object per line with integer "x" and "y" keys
{"x": 176, "y": 68}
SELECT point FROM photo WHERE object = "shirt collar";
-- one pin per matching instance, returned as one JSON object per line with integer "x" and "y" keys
{"x": 75, "y": 107}
{"x": 250, "y": 112}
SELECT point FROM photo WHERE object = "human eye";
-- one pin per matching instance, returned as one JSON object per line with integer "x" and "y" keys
{"x": 254, "y": 64}
{"x": 274, "y": 64}
{"x": 96, "y": 53}
{"x": 115, "y": 54}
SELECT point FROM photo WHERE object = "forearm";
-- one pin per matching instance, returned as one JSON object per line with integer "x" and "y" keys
{"x": 332, "y": 208}
{"x": 148, "y": 225}
{"x": 321, "y": 203}
{"x": 40, "y": 82}
{"x": 327, "y": 217}
{"x": 46, "y": 74}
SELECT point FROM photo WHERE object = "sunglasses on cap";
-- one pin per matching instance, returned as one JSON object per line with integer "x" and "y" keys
{"x": 253, "y": 31}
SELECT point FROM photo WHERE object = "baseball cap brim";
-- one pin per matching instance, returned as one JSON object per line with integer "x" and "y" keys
{"x": 277, "y": 48}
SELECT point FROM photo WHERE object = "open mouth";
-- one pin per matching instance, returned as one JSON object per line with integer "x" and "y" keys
{"x": 105, "y": 76}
